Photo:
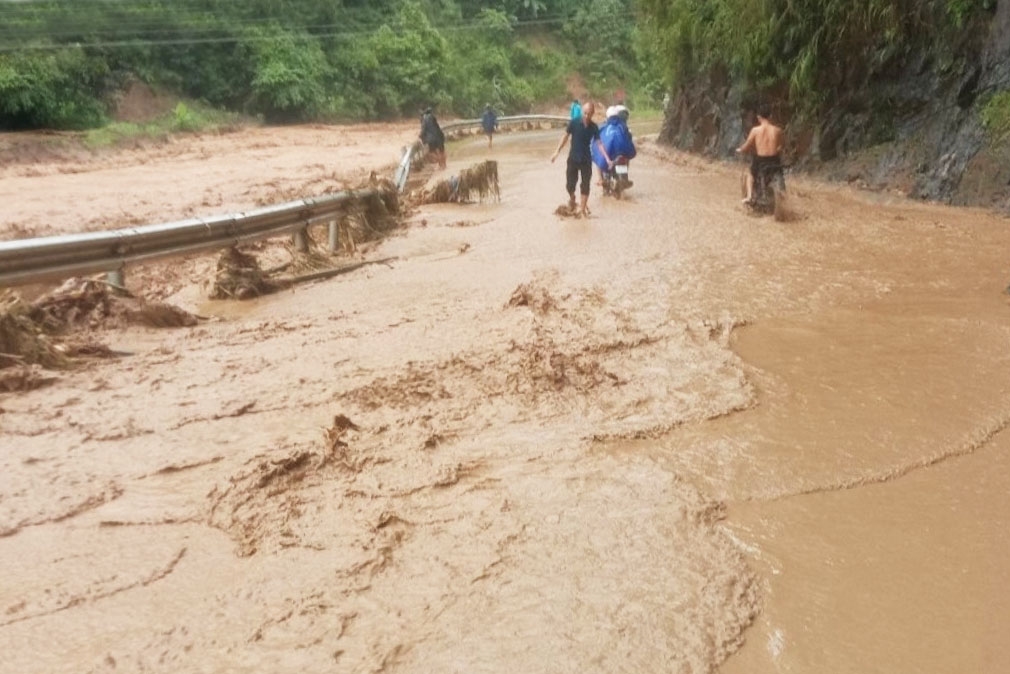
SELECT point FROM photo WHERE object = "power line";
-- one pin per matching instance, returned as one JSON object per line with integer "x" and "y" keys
{"x": 234, "y": 39}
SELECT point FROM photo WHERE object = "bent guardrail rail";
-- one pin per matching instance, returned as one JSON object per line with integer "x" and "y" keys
{"x": 415, "y": 151}
{"x": 56, "y": 257}
{"x": 53, "y": 258}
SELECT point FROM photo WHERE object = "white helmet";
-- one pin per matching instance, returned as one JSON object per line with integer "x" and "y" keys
{"x": 612, "y": 111}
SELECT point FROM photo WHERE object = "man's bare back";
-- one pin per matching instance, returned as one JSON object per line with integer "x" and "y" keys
{"x": 765, "y": 142}
{"x": 765, "y": 139}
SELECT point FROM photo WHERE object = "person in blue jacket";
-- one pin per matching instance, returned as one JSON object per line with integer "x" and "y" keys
{"x": 576, "y": 112}
{"x": 616, "y": 138}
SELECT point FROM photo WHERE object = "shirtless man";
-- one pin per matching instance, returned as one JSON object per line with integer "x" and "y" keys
{"x": 765, "y": 142}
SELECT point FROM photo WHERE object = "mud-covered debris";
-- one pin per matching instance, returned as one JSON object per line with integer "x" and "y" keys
{"x": 87, "y": 303}
{"x": 335, "y": 433}
{"x": 24, "y": 378}
{"x": 239, "y": 277}
{"x": 342, "y": 423}
{"x": 42, "y": 332}
{"x": 533, "y": 296}
{"x": 22, "y": 340}
{"x": 567, "y": 211}
{"x": 480, "y": 180}
{"x": 90, "y": 349}
{"x": 313, "y": 259}
{"x": 371, "y": 217}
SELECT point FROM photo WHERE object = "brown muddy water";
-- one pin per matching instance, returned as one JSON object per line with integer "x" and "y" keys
{"x": 669, "y": 438}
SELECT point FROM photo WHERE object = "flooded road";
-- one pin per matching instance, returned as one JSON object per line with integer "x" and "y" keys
{"x": 633, "y": 443}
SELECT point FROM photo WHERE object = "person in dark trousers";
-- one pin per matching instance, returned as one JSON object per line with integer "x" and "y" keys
{"x": 765, "y": 142}
{"x": 582, "y": 133}
{"x": 432, "y": 136}
{"x": 489, "y": 121}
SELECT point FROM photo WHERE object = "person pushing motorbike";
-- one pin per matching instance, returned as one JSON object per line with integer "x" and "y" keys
{"x": 582, "y": 132}
{"x": 765, "y": 142}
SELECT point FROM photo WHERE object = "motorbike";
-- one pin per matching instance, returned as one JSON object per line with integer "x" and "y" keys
{"x": 769, "y": 182}
{"x": 615, "y": 179}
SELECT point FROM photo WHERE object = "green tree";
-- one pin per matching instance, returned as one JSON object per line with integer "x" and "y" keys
{"x": 290, "y": 74}
{"x": 52, "y": 89}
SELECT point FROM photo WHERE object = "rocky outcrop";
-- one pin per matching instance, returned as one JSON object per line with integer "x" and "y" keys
{"x": 914, "y": 126}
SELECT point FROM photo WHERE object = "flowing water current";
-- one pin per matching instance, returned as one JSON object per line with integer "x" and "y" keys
{"x": 669, "y": 438}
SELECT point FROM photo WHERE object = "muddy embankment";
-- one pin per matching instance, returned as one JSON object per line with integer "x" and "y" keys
{"x": 913, "y": 126}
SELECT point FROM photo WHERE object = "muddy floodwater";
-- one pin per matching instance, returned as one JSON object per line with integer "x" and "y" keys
{"x": 672, "y": 437}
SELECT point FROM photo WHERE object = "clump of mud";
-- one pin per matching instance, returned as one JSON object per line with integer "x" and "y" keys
{"x": 567, "y": 211}
{"x": 87, "y": 303}
{"x": 22, "y": 340}
{"x": 372, "y": 217}
{"x": 534, "y": 296}
{"x": 239, "y": 277}
{"x": 35, "y": 333}
{"x": 480, "y": 180}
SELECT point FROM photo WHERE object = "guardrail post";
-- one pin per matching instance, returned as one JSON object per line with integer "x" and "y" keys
{"x": 301, "y": 241}
{"x": 334, "y": 236}
{"x": 116, "y": 278}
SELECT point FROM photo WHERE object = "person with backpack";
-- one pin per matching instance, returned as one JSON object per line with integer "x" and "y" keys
{"x": 431, "y": 135}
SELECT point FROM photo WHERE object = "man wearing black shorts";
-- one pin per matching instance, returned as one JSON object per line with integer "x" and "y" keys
{"x": 582, "y": 132}
{"x": 765, "y": 142}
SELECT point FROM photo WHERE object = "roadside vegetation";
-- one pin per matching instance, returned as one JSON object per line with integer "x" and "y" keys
{"x": 62, "y": 62}
{"x": 806, "y": 53}
{"x": 996, "y": 117}
{"x": 193, "y": 118}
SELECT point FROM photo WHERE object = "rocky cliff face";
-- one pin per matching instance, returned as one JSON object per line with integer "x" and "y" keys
{"x": 914, "y": 127}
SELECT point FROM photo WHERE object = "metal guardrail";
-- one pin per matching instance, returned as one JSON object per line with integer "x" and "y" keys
{"x": 415, "y": 151}
{"x": 57, "y": 257}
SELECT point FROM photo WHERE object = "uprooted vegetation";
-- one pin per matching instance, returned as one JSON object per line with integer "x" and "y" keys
{"x": 240, "y": 276}
{"x": 47, "y": 332}
{"x": 480, "y": 180}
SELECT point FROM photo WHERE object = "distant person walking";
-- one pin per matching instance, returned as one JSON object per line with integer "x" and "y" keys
{"x": 765, "y": 142}
{"x": 576, "y": 111}
{"x": 489, "y": 121}
{"x": 432, "y": 136}
{"x": 581, "y": 132}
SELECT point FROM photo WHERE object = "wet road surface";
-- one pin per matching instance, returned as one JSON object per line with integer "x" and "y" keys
{"x": 630, "y": 443}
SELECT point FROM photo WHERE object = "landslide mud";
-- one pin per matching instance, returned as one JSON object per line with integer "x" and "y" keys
{"x": 533, "y": 444}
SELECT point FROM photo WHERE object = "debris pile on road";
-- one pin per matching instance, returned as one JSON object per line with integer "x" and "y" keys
{"x": 38, "y": 332}
{"x": 22, "y": 340}
{"x": 239, "y": 277}
{"x": 480, "y": 180}
{"x": 88, "y": 303}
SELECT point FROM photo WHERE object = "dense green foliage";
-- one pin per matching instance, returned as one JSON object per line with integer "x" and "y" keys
{"x": 288, "y": 60}
{"x": 815, "y": 50}
{"x": 996, "y": 116}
